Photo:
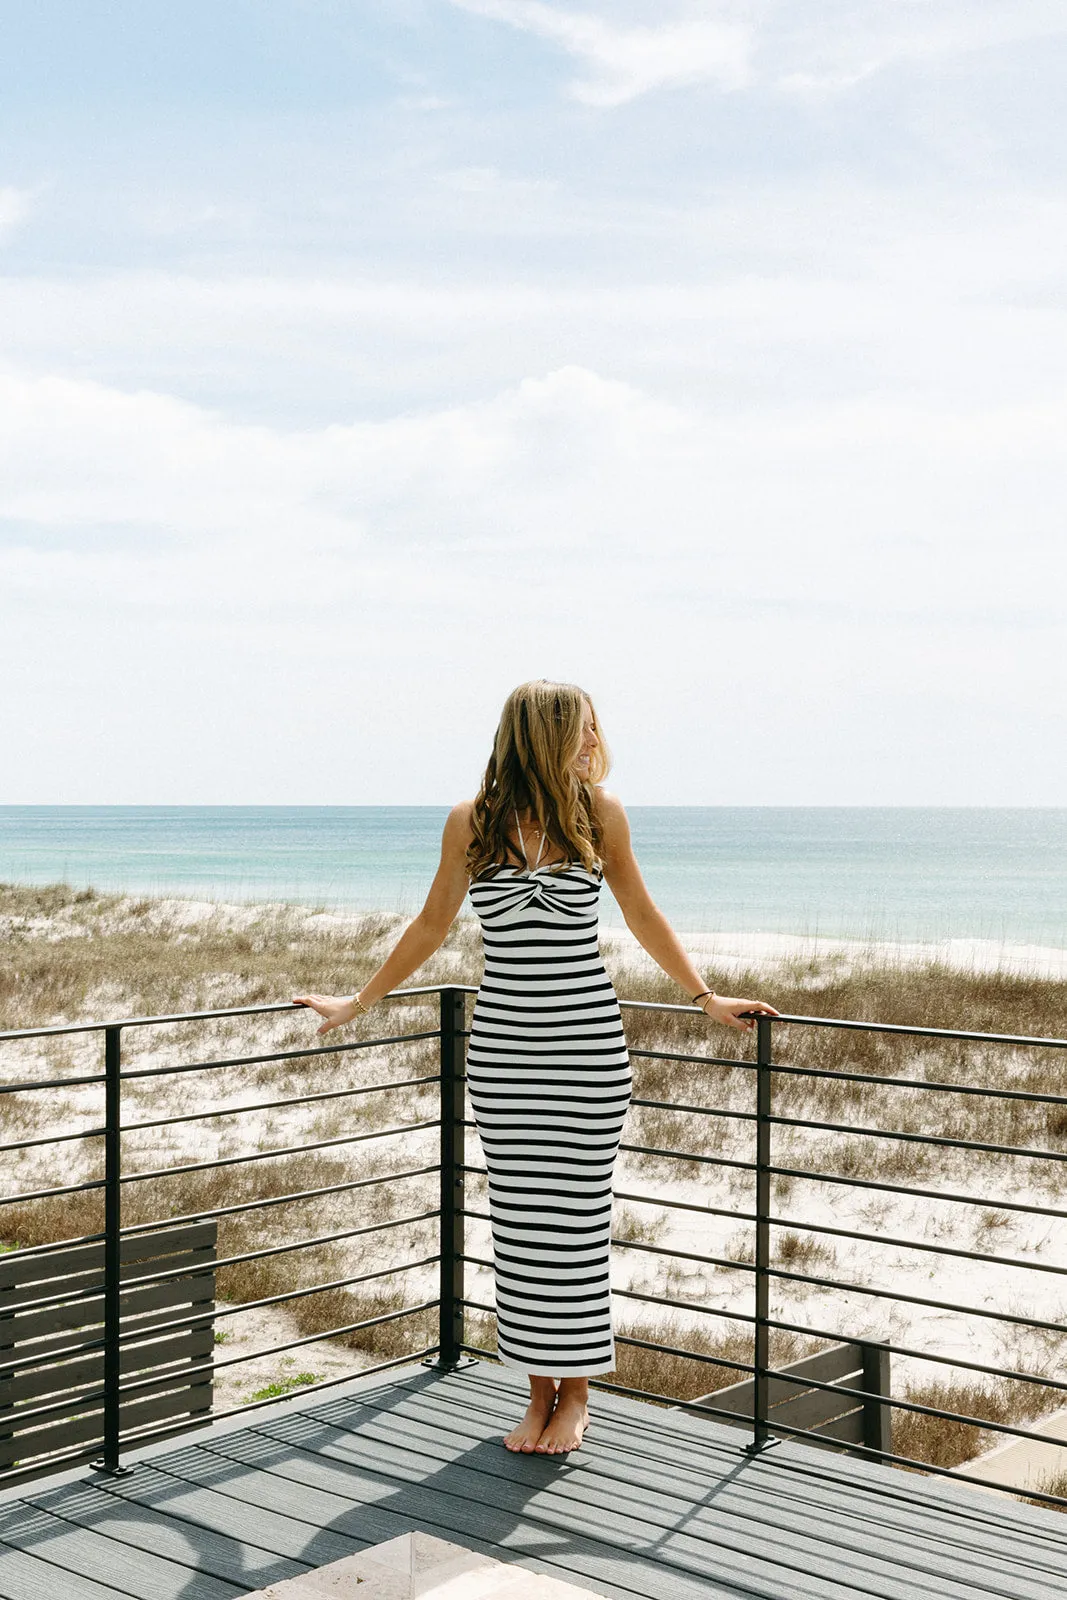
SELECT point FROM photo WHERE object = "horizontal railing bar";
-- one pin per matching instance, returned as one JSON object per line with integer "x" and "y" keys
{"x": 688, "y": 1355}
{"x": 208, "y": 1367}
{"x": 69, "y": 1297}
{"x": 684, "y": 1305}
{"x": 919, "y": 1300}
{"x": 699, "y": 1061}
{"x": 922, "y": 1194}
{"x": 686, "y": 1155}
{"x": 739, "y": 1316}
{"x": 873, "y": 1454}
{"x": 287, "y": 1249}
{"x": 639, "y": 1199}
{"x": 238, "y": 1307}
{"x": 848, "y": 1025}
{"x": 685, "y": 1255}
{"x": 939, "y": 1141}
{"x": 697, "y": 1407}
{"x": 278, "y": 1200}
{"x": 136, "y": 1441}
{"x": 340, "y": 1048}
{"x": 838, "y": 1337}
{"x": 913, "y": 1406}
{"x": 335, "y": 1333}
{"x": 47, "y": 1465}
{"x": 918, "y": 1244}
{"x": 186, "y": 1322}
{"x": 659, "y": 1005}
{"x": 272, "y": 1009}
{"x": 268, "y": 1155}
{"x": 696, "y": 1111}
{"x": 51, "y": 1194}
{"x": 160, "y": 1382}
{"x": 629, "y": 1294}
{"x": 276, "y": 1105}
{"x": 863, "y": 1027}
{"x": 934, "y": 1084}
{"x": 51, "y": 1138}
{"x": 685, "y": 1205}
{"x": 925, "y": 1355}
{"x": 24, "y": 1086}
{"x": 32, "y": 1251}
{"x": 653, "y": 1250}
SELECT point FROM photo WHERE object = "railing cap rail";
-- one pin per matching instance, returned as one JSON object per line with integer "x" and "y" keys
{"x": 206, "y": 1016}
{"x": 849, "y": 1024}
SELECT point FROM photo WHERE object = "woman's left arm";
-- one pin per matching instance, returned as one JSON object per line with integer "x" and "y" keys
{"x": 648, "y": 924}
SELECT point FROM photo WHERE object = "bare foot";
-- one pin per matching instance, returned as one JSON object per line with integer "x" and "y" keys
{"x": 566, "y": 1427}
{"x": 533, "y": 1424}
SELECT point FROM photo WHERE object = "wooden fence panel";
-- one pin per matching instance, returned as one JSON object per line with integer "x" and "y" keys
{"x": 52, "y": 1305}
{"x": 837, "y": 1420}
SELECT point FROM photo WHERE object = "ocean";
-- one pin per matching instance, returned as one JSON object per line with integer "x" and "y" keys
{"x": 892, "y": 874}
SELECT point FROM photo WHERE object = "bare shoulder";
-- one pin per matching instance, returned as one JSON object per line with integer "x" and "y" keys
{"x": 609, "y": 808}
{"x": 458, "y": 827}
{"x": 611, "y": 816}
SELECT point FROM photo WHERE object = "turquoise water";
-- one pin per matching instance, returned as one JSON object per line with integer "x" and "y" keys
{"x": 893, "y": 873}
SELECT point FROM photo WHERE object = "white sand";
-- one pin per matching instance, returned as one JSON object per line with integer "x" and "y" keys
{"x": 985, "y": 1285}
{"x": 769, "y": 950}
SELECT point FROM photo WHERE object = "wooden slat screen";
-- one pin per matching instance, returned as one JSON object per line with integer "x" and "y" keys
{"x": 837, "y": 1420}
{"x": 52, "y": 1303}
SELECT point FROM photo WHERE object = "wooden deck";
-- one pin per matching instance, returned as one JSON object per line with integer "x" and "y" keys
{"x": 658, "y": 1504}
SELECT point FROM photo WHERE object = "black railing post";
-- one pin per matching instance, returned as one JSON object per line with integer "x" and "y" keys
{"x": 109, "y": 1462}
{"x": 761, "y": 1434}
{"x": 452, "y": 1159}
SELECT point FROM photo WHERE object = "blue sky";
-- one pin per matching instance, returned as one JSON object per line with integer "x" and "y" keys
{"x": 359, "y": 360}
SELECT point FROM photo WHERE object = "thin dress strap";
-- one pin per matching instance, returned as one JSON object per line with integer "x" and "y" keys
{"x": 522, "y": 844}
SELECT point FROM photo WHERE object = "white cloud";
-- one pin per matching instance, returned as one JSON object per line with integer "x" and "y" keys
{"x": 735, "y": 44}
{"x": 569, "y": 467}
{"x": 288, "y": 600}
{"x": 286, "y": 588}
{"x": 626, "y": 62}
{"x": 14, "y": 208}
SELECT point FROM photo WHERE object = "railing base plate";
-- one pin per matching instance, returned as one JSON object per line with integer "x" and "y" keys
{"x": 450, "y": 1366}
{"x": 116, "y": 1471}
{"x": 755, "y": 1448}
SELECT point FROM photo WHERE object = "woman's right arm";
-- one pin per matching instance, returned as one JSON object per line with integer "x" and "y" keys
{"x": 421, "y": 937}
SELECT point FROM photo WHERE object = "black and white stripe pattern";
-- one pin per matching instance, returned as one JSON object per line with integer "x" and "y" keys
{"x": 549, "y": 1079}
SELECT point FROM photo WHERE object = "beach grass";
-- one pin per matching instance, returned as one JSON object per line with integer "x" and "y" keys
{"x": 84, "y": 956}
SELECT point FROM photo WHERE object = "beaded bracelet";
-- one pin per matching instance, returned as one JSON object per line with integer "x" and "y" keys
{"x": 356, "y": 1001}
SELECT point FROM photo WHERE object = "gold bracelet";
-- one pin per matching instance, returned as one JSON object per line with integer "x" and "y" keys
{"x": 709, "y": 996}
{"x": 356, "y": 1001}
{"x": 702, "y": 995}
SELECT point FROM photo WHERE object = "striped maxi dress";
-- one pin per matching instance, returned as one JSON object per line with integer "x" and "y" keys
{"x": 549, "y": 1080}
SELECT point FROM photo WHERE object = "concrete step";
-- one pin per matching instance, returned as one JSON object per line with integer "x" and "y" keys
{"x": 417, "y": 1566}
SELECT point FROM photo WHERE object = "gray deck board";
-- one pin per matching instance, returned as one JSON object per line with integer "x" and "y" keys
{"x": 84, "y": 1554}
{"x": 723, "y": 1514}
{"x": 659, "y": 1505}
{"x": 969, "y": 1522}
{"x": 585, "y": 1547}
{"x": 633, "y": 1530}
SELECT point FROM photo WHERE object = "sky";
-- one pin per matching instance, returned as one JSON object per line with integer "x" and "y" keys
{"x": 360, "y": 359}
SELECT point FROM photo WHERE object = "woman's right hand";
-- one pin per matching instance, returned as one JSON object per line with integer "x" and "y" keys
{"x": 336, "y": 1011}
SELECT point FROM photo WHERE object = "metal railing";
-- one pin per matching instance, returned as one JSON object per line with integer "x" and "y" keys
{"x": 452, "y": 1212}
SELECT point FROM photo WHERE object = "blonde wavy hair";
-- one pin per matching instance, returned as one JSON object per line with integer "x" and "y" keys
{"x": 532, "y": 769}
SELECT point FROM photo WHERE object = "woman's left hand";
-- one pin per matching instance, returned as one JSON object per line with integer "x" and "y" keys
{"x": 731, "y": 1012}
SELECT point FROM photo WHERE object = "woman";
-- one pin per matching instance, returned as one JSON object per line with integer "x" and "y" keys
{"x": 547, "y": 1068}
